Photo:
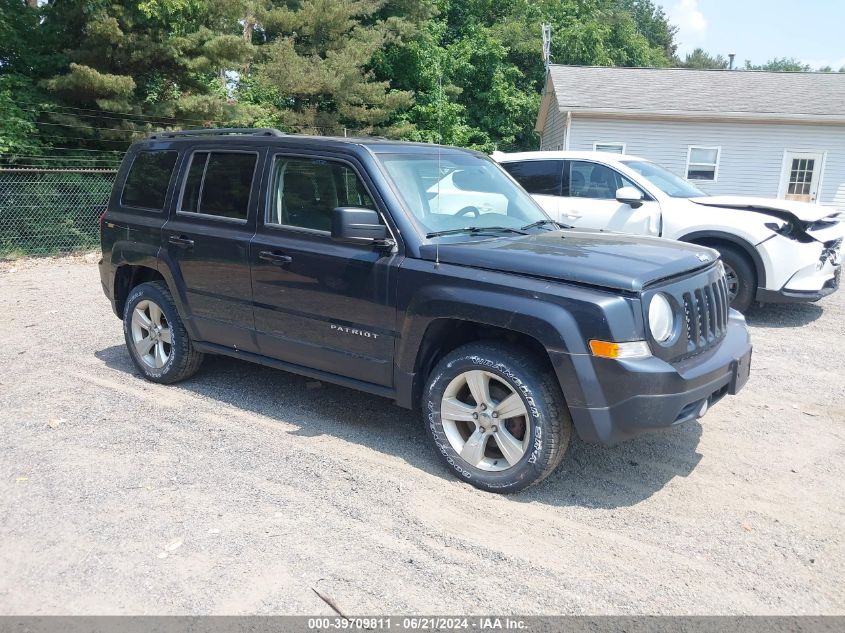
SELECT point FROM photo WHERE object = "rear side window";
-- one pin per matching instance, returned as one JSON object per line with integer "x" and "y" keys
{"x": 149, "y": 176}
{"x": 544, "y": 177}
{"x": 219, "y": 184}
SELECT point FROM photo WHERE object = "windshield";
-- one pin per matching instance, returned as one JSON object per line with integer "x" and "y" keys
{"x": 460, "y": 191}
{"x": 668, "y": 182}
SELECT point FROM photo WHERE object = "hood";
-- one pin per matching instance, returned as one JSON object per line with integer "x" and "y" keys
{"x": 609, "y": 260}
{"x": 803, "y": 211}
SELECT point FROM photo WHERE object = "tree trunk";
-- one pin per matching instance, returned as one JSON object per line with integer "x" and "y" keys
{"x": 249, "y": 28}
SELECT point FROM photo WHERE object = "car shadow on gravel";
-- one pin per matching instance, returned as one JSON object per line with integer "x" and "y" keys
{"x": 589, "y": 476}
{"x": 315, "y": 408}
{"x": 784, "y": 314}
{"x": 594, "y": 476}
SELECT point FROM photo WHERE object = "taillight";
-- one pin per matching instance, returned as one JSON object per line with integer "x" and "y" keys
{"x": 102, "y": 220}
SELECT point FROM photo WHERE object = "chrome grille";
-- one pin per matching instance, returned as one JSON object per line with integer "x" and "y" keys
{"x": 706, "y": 314}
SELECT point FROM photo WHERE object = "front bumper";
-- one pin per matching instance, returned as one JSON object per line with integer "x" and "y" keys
{"x": 785, "y": 295}
{"x": 800, "y": 271}
{"x": 627, "y": 398}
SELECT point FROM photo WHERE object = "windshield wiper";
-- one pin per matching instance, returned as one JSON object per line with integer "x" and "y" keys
{"x": 476, "y": 229}
{"x": 534, "y": 225}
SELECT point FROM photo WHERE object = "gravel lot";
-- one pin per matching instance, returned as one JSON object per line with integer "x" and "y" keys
{"x": 245, "y": 488}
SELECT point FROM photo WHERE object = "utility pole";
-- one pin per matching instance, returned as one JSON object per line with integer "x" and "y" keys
{"x": 547, "y": 45}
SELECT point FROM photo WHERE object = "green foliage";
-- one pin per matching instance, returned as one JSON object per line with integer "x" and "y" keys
{"x": 18, "y": 103}
{"x": 466, "y": 72}
{"x": 780, "y": 64}
{"x": 699, "y": 59}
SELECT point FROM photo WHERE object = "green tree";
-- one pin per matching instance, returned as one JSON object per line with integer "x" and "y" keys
{"x": 780, "y": 64}
{"x": 699, "y": 59}
{"x": 315, "y": 66}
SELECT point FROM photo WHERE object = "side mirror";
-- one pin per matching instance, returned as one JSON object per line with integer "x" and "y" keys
{"x": 630, "y": 196}
{"x": 358, "y": 226}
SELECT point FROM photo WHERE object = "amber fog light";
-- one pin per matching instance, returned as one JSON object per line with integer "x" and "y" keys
{"x": 661, "y": 320}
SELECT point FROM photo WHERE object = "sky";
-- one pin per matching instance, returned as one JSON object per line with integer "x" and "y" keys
{"x": 811, "y": 30}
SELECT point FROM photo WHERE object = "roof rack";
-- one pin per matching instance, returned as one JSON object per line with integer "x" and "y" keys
{"x": 223, "y": 131}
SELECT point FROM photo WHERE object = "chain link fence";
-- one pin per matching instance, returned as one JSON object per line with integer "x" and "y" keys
{"x": 51, "y": 211}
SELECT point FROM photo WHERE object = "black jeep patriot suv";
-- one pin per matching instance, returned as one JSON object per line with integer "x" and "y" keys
{"x": 419, "y": 273}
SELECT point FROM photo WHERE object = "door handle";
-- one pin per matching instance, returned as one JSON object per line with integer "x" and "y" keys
{"x": 572, "y": 215}
{"x": 181, "y": 241}
{"x": 277, "y": 259}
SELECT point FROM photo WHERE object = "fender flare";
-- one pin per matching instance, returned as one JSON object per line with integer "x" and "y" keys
{"x": 554, "y": 327}
{"x": 154, "y": 257}
{"x": 746, "y": 247}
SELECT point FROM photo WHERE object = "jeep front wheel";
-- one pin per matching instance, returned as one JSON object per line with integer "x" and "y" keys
{"x": 496, "y": 416}
{"x": 156, "y": 339}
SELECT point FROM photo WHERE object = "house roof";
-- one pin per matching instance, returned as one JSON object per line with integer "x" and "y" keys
{"x": 679, "y": 92}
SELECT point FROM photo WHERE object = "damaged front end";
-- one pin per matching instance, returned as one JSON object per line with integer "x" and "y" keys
{"x": 804, "y": 251}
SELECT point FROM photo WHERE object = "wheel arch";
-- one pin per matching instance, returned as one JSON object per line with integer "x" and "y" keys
{"x": 445, "y": 334}
{"x": 712, "y": 238}
{"x": 128, "y": 276}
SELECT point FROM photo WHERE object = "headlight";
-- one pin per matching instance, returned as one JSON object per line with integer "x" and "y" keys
{"x": 661, "y": 320}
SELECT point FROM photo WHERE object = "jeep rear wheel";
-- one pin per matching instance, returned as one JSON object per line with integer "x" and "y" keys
{"x": 156, "y": 339}
{"x": 496, "y": 416}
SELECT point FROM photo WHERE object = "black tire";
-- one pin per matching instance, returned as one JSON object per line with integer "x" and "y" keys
{"x": 739, "y": 262}
{"x": 183, "y": 360}
{"x": 550, "y": 428}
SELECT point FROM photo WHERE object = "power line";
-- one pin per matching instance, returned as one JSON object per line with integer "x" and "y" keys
{"x": 31, "y": 158}
{"x": 83, "y": 149}
{"x": 151, "y": 121}
{"x": 127, "y": 114}
{"x": 89, "y": 127}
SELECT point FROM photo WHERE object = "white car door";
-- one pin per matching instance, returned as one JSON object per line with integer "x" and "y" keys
{"x": 543, "y": 179}
{"x": 589, "y": 201}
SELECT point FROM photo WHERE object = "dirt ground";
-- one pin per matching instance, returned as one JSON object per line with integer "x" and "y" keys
{"x": 242, "y": 489}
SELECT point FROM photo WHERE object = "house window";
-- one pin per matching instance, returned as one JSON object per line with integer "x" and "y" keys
{"x": 610, "y": 148}
{"x": 703, "y": 163}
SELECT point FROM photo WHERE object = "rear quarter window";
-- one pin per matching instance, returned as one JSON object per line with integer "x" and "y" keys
{"x": 148, "y": 179}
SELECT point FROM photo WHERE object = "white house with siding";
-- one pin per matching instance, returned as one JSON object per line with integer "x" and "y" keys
{"x": 731, "y": 132}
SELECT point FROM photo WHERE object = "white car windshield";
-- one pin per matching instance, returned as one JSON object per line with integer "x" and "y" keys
{"x": 456, "y": 191}
{"x": 665, "y": 180}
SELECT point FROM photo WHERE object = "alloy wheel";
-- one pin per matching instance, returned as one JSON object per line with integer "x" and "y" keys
{"x": 485, "y": 420}
{"x": 151, "y": 334}
{"x": 732, "y": 280}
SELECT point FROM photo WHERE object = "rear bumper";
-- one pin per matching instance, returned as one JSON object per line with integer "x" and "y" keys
{"x": 628, "y": 398}
{"x": 107, "y": 283}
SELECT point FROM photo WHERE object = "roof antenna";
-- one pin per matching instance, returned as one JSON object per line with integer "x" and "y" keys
{"x": 439, "y": 144}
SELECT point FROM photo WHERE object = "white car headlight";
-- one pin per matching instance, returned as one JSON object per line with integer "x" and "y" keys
{"x": 661, "y": 319}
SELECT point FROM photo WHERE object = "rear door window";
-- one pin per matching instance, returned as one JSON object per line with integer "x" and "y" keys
{"x": 148, "y": 179}
{"x": 541, "y": 177}
{"x": 219, "y": 184}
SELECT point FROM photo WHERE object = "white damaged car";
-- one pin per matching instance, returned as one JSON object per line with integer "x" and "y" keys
{"x": 774, "y": 251}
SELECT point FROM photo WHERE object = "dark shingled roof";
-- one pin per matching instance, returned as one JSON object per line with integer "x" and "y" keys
{"x": 705, "y": 93}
